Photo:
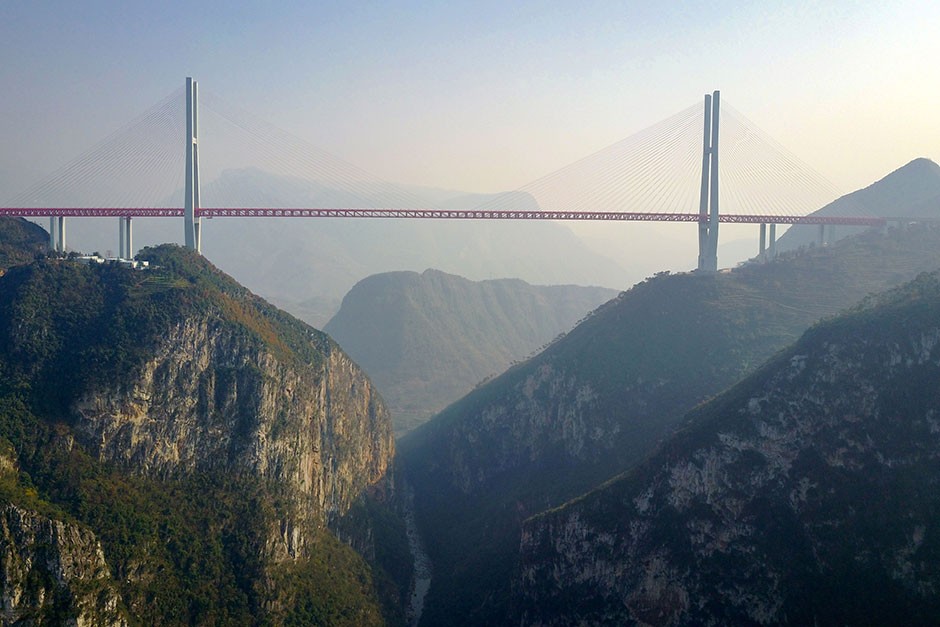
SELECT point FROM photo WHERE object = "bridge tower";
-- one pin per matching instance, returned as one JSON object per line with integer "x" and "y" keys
{"x": 708, "y": 201}
{"x": 191, "y": 224}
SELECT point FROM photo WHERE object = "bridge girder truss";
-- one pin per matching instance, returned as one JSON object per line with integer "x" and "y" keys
{"x": 441, "y": 214}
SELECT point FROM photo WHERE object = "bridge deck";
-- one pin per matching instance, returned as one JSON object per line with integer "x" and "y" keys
{"x": 446, "y": 214}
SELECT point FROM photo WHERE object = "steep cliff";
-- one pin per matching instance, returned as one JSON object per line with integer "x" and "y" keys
{"x": 214, "y": 399}
{"x": 51, "y": 571}
{"x": 807, "y": 494}
{"x": 209, "y": 439}
{"x": 427, "y": 339}
{"x": 598, "y": 401}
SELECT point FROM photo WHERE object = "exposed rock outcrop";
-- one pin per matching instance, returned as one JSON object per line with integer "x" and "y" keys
{"x": 211, "y": 442}
{"x": 808, "y": 494}
{"x": 213, "y": 398}
{"x": 53, "y": 572}
{"x": 600, "y": 400}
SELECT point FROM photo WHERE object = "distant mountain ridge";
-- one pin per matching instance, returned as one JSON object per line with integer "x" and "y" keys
{"x": 807, "y": 494}
{"x": 307, "y": 265}
{"x": 426, "y": 339}
{"x": 913, "y": 190}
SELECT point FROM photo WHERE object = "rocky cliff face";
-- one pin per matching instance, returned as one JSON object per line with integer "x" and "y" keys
{"x": 213, "y": 398}
{"x": 616, "y": 384}
{"x": 600, "y": 400}
{"x": 210, "y": 441}
{"x": 53, "y": 572}
{"x": 805, "y": 495}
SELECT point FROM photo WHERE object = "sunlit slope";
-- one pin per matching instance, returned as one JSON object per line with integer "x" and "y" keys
{"x": 204, "y": 444}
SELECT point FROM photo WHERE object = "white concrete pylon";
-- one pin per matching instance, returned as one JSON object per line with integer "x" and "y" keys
{"x": 191, "y": 200}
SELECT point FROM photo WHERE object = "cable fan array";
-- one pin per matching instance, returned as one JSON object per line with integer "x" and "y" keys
{"x": 246, "y": 162}
{"x": 139, "y": 165}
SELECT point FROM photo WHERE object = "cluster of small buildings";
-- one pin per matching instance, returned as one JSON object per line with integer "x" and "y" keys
{"x": 93, "y": 259}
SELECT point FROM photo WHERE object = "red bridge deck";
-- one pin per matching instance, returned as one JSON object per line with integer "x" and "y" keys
{"x": 446, "y": 214}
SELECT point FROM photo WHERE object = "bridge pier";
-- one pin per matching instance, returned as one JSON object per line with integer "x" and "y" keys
{"x": 57, "y": 234}
{"x": 708, "y": 200}
{"x": 768, "y": 248}
{"x": 826, "y": 235}
{"x": 125, "y": 238}
{"x": 191, "y": 234}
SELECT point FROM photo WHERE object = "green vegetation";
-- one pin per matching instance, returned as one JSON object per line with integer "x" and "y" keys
{"x": 189, "y": 548}
{"x": 21, "y": 241}
{"x": 185, "y": 550}
{"x": 845, "y": 527}
{"x": 66, "y": 327}
{"x": 601, "y": 399}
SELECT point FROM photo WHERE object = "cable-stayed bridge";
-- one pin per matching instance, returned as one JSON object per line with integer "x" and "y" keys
{"x": 669, "y": 172}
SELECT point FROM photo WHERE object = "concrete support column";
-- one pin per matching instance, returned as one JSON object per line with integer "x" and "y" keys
{"x": 703, "y": 198}
{"x": 191, "y": 194}
{"x": 821, "y": 239}
{"x": 120, "y": 238}
{"x": 708, "y": 202}
{"x": 52, "y": 238}
{"x": 713, "y": 192}
{"x": 60, "y": 235}
{"x": 772, "y": 252}
{"x": 763, "y": 241}
{"x": 129, "y": 238}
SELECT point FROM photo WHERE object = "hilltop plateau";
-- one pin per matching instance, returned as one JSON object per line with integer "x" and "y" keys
{"x": 427, "y": 339}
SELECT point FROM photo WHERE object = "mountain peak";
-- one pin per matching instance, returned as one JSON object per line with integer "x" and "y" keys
{"x": 913, "y": 190}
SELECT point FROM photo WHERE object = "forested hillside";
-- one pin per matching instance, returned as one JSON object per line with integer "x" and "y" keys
{"x": 805, "y": 495}
{"x": 598, "y": 401}
{"x": 200, "y": 445}
{"x": 20, "y": 241}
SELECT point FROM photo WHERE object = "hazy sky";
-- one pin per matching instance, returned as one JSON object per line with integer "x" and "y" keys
{"x": 483, "y": 95}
